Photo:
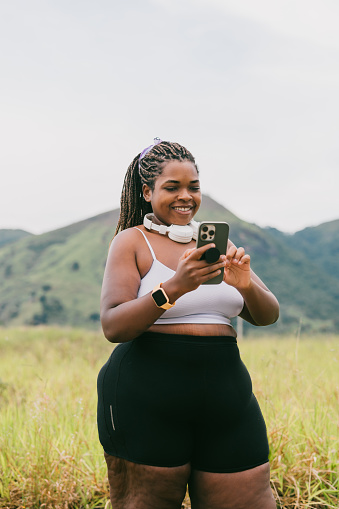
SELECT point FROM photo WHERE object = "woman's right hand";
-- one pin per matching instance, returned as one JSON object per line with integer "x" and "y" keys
{"x": 192, "y": 272}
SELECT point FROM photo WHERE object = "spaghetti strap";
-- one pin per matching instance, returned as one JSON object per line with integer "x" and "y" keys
{"x": 147, "y": 241}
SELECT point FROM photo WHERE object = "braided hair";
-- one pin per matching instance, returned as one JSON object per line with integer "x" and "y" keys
{"x": 133, "y": 206}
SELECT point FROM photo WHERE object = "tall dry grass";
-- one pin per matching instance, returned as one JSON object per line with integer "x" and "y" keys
{"x": 49, "y": 451}
{"x": 297, "y": 383}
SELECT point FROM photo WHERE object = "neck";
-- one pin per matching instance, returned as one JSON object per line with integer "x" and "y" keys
{"x": 155, "y": 220}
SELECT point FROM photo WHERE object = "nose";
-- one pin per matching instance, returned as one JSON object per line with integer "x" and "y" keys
{"x": 184, "y": 194}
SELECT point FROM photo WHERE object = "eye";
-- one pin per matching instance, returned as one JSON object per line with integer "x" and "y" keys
{"x": 195, "y": 188}
{"x": 170, "y": 188}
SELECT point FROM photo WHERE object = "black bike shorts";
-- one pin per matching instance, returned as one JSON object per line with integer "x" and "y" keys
{"x": 166, "y": 400}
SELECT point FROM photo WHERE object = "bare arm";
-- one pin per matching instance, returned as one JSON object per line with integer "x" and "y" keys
{"x": 261, "y": 306}
{"x": 119, "y": 304}
{"x": 123, "y": 315}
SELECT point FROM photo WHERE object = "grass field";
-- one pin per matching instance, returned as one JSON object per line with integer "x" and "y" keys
{"x": 50, "y": 456}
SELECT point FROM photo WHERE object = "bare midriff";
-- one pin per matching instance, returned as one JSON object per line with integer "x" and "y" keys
{"x": 195, "y": 329}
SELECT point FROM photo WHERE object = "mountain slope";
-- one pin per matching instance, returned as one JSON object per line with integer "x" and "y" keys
{"x": 9, "y": 236}
{"x": 56, "y": 277}
{"x": 321, "y": 244}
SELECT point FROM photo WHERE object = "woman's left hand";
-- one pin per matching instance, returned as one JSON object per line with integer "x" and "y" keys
{"x": 237, "y": 270}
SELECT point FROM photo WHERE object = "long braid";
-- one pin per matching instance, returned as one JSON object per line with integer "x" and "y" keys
{"x": 133, "y": 207}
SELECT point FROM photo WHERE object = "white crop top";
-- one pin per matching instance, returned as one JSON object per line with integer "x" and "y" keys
{"x": 206, "y": 304}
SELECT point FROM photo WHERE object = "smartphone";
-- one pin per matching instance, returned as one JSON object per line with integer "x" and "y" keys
{"x": 216, "y": 232}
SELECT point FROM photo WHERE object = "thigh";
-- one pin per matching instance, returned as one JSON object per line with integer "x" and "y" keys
{"x": 232, "y": 440}
{"x": 142, "y": 405}
{"x": 249, "y": 489}
{"x": 135, "y": 486}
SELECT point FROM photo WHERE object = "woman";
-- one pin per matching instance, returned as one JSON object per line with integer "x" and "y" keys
{"x": 175, "y": 405}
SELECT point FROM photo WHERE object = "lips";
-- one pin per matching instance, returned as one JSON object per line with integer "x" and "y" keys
{"x": 183, "y": 209}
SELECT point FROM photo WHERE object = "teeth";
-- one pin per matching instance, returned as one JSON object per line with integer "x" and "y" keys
{"x": 182, "y": 209}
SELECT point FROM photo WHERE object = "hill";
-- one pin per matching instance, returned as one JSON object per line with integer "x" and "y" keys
{"x": 320, "y": 243}
{"x": 317, "y": 243}
{"x": 56, "y": 277}
{"x": 9, "y": 236}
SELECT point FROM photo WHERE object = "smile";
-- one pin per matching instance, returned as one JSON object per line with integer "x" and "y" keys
{"x": 183, "y": 209}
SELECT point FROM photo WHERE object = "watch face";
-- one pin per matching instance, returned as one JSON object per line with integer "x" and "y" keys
{"x": 159, "y": 298}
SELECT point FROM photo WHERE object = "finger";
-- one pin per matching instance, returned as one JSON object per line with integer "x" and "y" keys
{"x": 235, "y": 254}
{"x": 212, "y": 269}
{"x": 187, "y": 253}
{"x": 240, "y": 252}
{"x": 200, "y": 251}
{"x": 231, "y": 252}
{"x": 211, "y": 275}
{"x": 245, "y": 259}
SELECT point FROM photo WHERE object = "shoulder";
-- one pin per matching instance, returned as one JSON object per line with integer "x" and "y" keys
{"x": 129, "y": 248}
{"x": 130, "y": 237}
{"x": 128, "y": 243}
{"x": 124, "y": 245}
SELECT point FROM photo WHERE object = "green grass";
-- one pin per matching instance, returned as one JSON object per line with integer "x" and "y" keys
{"x": 297, "y": 384}
{"x": 50, "y": 455}
{"x": 49, "y": 445}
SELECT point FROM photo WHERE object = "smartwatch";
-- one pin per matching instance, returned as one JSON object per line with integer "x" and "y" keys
{"x": 160, "y": 298}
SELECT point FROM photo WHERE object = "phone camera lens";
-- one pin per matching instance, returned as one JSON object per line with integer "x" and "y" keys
{"x": 205, "y": 228}
{"x": 211, "y": 233}
{"x": 204, "y": 236}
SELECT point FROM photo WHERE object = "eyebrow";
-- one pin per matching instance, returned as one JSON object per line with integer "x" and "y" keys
{"x": 178, "y": 182}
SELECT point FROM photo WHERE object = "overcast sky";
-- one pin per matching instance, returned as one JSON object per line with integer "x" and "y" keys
{"x": 249, "y": 87}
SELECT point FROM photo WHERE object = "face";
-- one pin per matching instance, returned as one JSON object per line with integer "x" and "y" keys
{"x": 176, "y": 196}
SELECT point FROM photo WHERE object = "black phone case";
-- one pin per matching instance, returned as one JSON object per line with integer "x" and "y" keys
{"x": 215, "y": 232}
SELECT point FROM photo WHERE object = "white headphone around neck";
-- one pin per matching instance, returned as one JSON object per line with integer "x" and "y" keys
{"x": 176, "y": 232}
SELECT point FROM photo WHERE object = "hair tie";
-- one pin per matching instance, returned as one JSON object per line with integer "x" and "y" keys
{"x": 146, "y": 150}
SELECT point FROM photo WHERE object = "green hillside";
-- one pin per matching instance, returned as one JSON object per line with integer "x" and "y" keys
{"x": 9, "y": 236}
{"x": 56, "y": 277}
{"x": 317, "y": 243}
{"x": 320, "y": 243}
